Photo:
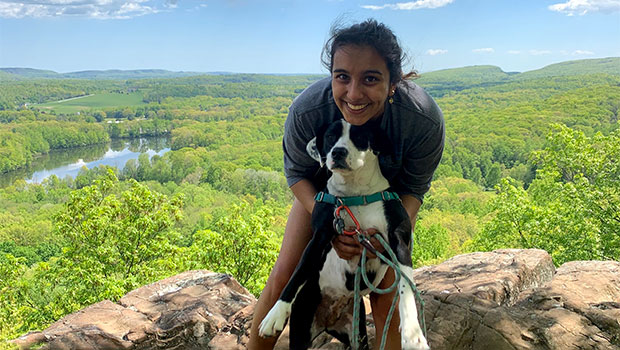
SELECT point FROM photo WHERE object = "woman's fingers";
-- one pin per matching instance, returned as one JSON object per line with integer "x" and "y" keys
{"x": 346, "y": 247}
{"x": 375, "y": 242}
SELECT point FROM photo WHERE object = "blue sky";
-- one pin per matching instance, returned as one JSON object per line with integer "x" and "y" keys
{"x": 286, "y": 36}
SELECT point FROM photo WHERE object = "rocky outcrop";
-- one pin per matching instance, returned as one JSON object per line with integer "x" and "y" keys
{"x": 193, "y": 310}
{"x": 515, "y": 299}
{"x": 506, "y": 299}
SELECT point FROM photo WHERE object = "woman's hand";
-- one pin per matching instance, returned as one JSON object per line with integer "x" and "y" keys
{"x": 347, "y": 247}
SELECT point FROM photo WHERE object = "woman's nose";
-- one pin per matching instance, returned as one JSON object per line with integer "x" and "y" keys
{"x": 355, "y": 91}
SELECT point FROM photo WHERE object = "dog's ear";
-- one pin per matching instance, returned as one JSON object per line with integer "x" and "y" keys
{"x": 380, "y": 142}
{"x": 313, "y": 151}
{"x": 315, "y": 146}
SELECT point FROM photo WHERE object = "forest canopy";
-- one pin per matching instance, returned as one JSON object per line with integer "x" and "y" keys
{"x": 531, "y": 161}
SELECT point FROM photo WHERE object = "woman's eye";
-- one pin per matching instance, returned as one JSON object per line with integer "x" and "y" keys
{"x": 371, "y": 79}
{"x": 341, "y": 76}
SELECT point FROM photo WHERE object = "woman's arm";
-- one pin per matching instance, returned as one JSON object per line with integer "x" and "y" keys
{"x": 412, "y": 206}
{"x": 304, "y": 191}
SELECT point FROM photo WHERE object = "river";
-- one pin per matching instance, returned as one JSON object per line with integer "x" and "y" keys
{"x": 68, "y": 162}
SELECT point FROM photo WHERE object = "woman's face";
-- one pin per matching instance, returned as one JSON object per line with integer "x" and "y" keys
{"x": 360, "y": 83}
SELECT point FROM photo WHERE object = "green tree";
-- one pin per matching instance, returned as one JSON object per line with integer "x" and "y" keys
{"x": 239, "y": 242}
{"x": 114, "y": 240}
{"x": 571, "y": 209}
{"x": 430, "y": 244}
{"x": 493, "y": 176}
{"x": 11, "y": 269}
{"x": 112, "y": 237}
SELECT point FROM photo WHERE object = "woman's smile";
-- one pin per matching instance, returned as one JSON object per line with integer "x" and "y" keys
{"x": 360, "y": 83}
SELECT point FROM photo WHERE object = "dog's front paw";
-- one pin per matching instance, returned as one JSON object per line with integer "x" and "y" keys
{"x": 275, "y": 320}
{"x": 414, "y": 340}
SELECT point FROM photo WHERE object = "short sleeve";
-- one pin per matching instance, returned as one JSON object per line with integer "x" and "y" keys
{"x": 420, "y": 161}
{"x": 298, "y": 164}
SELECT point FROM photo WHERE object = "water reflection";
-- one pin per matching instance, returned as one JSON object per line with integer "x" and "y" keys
{"x": 68, "y": 162}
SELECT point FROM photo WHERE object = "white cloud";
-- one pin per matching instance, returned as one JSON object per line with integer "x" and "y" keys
{"x": 484, "y": 50}
{"x": 582, "y": 52}
{"x": 514, "y": 52}
{"x": 412, "y": 5}
{"x": 99, "y": 9}
{"x": 539, "y": 52}
{"x": 581, "y": 7}
{"x": 434, "y": 52}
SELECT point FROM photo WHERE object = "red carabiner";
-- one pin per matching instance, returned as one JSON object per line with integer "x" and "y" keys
{"x": 358, "y": 228}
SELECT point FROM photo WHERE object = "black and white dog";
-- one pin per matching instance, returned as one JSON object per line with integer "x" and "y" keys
{"x": 350, "y": 153}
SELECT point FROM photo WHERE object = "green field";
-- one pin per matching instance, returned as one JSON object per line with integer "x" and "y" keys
{"x": 99, "y": 100}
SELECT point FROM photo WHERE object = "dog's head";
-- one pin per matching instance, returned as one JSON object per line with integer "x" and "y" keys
{"x": 344, "y": 147}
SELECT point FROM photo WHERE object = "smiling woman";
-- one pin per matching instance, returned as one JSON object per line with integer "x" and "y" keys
{"x": 367, "y": 87}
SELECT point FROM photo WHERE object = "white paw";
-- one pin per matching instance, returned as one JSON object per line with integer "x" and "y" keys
{"x": 414, "y": 341}
{"x": 275, "y": 320}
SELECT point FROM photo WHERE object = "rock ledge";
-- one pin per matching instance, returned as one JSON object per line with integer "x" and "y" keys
{"x": 506, "y": 299}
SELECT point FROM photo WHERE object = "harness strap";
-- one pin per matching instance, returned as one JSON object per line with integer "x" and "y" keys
{"x": 356, "y": 200}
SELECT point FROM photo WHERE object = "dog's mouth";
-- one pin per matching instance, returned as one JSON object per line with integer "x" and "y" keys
{"x": 339, "y": 164}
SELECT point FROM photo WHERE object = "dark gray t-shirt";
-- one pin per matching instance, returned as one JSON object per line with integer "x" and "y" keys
{"x": 413, "y": 123}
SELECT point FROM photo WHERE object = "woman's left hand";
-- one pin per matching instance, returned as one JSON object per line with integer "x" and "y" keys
{"x": 375, "y": 243}
{"x": 348, "y": 247}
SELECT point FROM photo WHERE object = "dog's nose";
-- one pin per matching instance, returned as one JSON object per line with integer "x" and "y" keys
{"x": 339, "y": 153}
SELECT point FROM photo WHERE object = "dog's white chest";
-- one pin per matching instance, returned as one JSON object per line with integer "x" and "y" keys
{"x": 333, "y": 275}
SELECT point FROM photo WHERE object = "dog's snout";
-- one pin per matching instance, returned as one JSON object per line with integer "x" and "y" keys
{"x": 339, "y": 153}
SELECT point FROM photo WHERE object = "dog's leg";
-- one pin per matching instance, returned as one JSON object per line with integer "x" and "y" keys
{"x": 412, "y": 337}
{"x": 311, "y": 262}
{"x": 411, "y": 332}
{"x": 302, "y": 315}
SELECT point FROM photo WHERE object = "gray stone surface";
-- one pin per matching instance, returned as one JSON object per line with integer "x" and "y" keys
{"x": 507, "y": 299}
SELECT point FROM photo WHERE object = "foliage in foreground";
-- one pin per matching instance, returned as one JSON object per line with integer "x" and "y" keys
{"x": 571, "y": 209}
{"x": 117, "y": 236}
{"x": 454, "y": 211}
{"x": 111, "y": 244}
{"x": 241, "y": 243}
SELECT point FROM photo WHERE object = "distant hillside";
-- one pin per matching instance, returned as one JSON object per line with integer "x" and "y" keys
{"x": 30, "y": 73}
{"x": 128, "y": 74}
{"x": 439, "y": 83}
{"x": 469, "y": 74}
{"x": 4, "y": 76}
{"x": 610, "y": 65}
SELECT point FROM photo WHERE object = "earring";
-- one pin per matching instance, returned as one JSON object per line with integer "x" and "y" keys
{"x": 391, "y": 100}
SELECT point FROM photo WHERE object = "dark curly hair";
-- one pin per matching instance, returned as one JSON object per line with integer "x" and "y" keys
{"x": 368, "y": 33}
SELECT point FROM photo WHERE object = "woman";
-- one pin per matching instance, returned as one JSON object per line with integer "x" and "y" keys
{"x": 367, "y": 85}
